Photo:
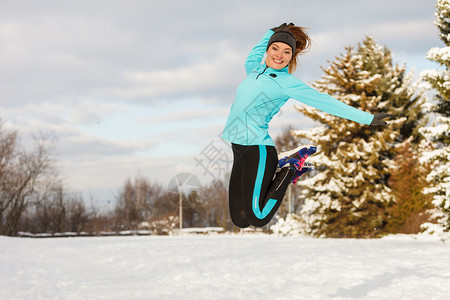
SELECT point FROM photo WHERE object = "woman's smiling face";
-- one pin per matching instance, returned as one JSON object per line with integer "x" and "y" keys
{"x": 279, "y": 55}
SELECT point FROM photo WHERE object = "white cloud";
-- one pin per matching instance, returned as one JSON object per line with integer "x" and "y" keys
{"x": 89, "y": 146}
{"x": 186, "y": 80}
{"x": 188, "y": 115}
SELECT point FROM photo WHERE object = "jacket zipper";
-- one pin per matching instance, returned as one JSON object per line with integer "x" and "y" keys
{"x": 262, "y": 72}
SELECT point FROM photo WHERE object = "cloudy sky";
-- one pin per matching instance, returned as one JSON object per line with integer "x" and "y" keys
{"x": 144, "y": 87}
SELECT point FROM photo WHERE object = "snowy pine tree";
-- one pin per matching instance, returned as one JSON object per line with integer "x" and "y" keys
{"x": 349, "y": 197}
{"x": 438, "y": 134}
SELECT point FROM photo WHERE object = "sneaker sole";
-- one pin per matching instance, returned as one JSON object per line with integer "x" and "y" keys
{"x": 289, "y": 153}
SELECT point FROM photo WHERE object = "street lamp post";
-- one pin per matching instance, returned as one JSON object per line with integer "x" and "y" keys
{"x": 181, "y": 207}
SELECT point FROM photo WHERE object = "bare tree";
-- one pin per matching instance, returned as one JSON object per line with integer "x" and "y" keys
{"x": 56, "y": 211}
{"x": 78, "y": 217}
{"x": 138, "y": 201}
{"x": 141, "y": 200}
{"x": 20, "y": 174}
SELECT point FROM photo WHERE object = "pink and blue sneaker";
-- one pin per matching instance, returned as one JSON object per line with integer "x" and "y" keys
{"x": 296, "y": 159}
{"x": 307, "y": 167}
{"x": 297, "y": 156}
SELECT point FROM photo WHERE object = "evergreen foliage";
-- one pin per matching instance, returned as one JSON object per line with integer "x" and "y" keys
{"x": 408, "y": 182}
{"x": 438, "y": 133}
{"x": 350, "y": 196}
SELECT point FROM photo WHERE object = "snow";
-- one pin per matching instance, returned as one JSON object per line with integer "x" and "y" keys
{"x": 224, "y": 267}
{"x": 436, "y": 53}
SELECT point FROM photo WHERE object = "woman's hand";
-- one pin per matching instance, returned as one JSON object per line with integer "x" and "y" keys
{"x": 282, "y": 26}
{"x": 378, "y": 118}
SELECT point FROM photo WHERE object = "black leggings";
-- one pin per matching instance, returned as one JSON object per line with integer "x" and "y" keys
{"x": 256, "y": 191}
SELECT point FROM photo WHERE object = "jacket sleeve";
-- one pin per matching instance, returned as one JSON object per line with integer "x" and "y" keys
{"x": 296, "y": 89}
{"x": 256, "y": 55}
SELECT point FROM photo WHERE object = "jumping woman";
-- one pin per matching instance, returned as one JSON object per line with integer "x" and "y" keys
{"x": 256, "y": 187}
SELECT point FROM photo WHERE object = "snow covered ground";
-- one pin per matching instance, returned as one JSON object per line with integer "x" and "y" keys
{"x": 223, "y": 267}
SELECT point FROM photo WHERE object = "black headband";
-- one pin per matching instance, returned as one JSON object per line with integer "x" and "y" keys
{"x": 283, "y": 36}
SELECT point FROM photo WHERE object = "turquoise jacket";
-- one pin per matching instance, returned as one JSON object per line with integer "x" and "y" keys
{"x": 264, "y": 91}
